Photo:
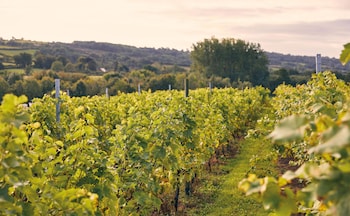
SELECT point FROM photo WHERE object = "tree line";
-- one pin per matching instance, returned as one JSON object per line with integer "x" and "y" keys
{"x": 225, "y": 63}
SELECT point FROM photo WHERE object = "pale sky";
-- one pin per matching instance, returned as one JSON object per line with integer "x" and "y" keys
{"x": 298, "y": 27}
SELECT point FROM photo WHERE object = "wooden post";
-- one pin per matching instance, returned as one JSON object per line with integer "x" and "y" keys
{"x": 57, "y": 96}
{"x": 169, "y": 86}
{"x": 107, "y": 95}
{"x": 139, "y": 88}
{"x": 318, "y": 63}
{"x": 186, "y": 86}
{"x": 210, "y": 87}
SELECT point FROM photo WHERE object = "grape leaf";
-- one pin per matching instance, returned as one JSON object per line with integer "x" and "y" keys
{"x": 345, "y": 54}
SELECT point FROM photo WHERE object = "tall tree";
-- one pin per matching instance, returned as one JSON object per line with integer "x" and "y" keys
{"x": 230, "y": 58}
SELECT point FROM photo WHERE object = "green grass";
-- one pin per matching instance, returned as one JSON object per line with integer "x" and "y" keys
{"x": 218, "y": 194}
{"x": 95, "y": 77}
{"x": 19, "y": 70}
{"x": 8, "y": 47}
{"x": 9, "y": 64}
{"x": 13, "y": 70}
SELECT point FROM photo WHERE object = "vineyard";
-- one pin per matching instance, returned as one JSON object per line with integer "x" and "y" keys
{"x": 314, "y": 134}
{"x": 133, "y": 154}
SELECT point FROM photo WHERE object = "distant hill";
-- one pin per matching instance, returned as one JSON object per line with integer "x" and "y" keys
{"x": 107, "y": 55}
{"x": 304, "y": 63}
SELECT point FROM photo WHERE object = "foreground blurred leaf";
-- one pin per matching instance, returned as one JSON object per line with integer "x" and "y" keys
{"x": 290, "y": 128}
{"x": 345, "y": 54}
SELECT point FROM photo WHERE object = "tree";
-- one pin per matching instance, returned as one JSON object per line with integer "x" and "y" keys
{"x": 80, "y": 88}
{"x": 47, "y": 84}
{"x": 17, "y": 88}
{"x": 4, "y": 87}
{"x": 230, "y": 58}
{"x": 57, "y": 66}
{"x": 141, "y": 76}
{"x": 69, "y": 67}
{"x": 86, "y": 64}
{"x": 23, "y": 60}
{"x": 32, "y": 88}
{"x": 43, "y": 61}
{"x": 118, "y": 67}
{"x": 39, "y": 75}
{"x": 95, "y": 86}
{"x": 13, "y": 77}
{"x": 39, "y": 60}
{"x": 120, "y": 85}
{"x": 196, "y": 80}
{"x": 2, "y": 66}
{"x": 162, "y": 82}
{"x": 111, "y": 75}
{"x": 151, "y": 68}
{"x": 63, "y": 59}
{"x": 48, "y": 61}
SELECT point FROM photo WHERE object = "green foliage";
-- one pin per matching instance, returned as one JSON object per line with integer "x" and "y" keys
{"x": 316, "y": 132}
{"x": 23, "y": 60}
{"x": 57, "y": 66}
{"x": 86, "y": 64}
{"x": 47, "y": 85}
{"x": 80, "y": 88}
{"x": 345, "y": 54}
{"x": 69, "y": 67}
{"x": 125, "y": 155}
{"x": 15, "y": 160}
{"x": 162, "y": 82}
{"x": 43, "y": 61}
{"x": 31, "y": 88}
{"x": 4, "y": 87}
{"x": 95, "y": 86}
{"x": 230, "y": 58}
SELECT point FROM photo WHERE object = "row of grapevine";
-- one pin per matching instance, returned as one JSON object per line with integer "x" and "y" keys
{"x": 126, "y": 155}
{"x": 315, "y": 133}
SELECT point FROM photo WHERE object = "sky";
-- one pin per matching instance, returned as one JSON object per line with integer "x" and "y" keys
{"x": 296, "y": 27}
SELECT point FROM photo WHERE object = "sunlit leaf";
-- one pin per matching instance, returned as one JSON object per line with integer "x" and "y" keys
{"x": 339, "y": 137}
{"x": 345, "y": 54}
{"x": 290, "y": 128}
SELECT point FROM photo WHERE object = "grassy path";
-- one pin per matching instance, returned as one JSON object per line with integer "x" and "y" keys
{"x": 220, "y": 195}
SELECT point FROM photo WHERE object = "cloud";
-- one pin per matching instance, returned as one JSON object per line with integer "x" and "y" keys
{"x": 300, "y": 38}
{"x": 288, "y": 26}
{"x": 332, "y": 29}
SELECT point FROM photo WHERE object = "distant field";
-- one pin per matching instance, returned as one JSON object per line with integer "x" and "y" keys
{"x": 8, "y": 47}
{"x": 15, "y": 70}
{"x": 13, "y": 52}
{"x": 19, "y": 70}
{"x": 9, "y": 64}
{"x": 96, "y": 77}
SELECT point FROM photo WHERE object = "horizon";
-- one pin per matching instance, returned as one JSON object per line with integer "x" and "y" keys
{"x": 296, "y": 28}
{"x": 180, "y": 50}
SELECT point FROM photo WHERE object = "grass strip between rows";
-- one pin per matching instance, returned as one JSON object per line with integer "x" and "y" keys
{"x": 218, "y": 194}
